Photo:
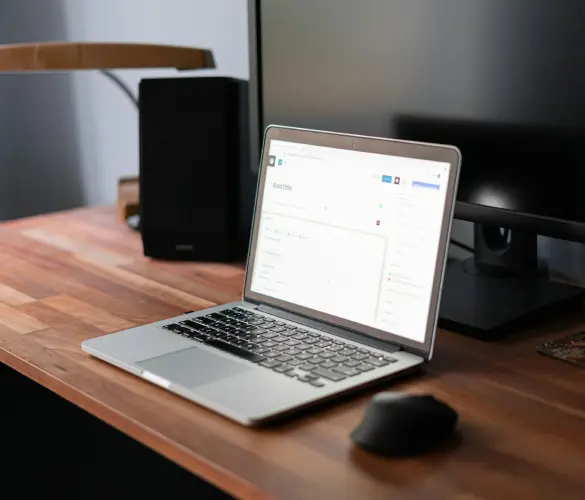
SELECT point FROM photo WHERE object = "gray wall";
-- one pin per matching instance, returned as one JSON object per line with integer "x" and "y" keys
{"x": 66, "y": 138}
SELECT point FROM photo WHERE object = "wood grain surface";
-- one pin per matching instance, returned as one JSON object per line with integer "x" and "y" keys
{"x": 71, "y": 276}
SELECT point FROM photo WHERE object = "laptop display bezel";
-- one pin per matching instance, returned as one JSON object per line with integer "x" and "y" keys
{"x": 406, "y": 149}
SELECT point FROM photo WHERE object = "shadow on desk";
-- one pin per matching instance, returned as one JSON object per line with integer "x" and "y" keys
{"x": 52, "y": 448}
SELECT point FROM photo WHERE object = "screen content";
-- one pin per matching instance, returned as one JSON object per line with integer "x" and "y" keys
{"x": 351, "y": 234}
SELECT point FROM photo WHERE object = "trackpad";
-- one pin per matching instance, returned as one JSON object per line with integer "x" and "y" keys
{"x": 193, "y": 367}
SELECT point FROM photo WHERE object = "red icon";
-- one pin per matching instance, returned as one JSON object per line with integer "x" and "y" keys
{"x": 396, "y": 180}
{"x": 377, "y": 223}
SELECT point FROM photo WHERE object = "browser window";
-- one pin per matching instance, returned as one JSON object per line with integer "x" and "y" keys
{"x": 351, "y": 234}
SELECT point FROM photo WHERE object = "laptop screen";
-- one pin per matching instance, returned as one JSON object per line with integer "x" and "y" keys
{"x": 351, "y": 234}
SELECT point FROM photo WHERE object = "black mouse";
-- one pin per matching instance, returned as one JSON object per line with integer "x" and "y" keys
{"x": 397, "y": 424}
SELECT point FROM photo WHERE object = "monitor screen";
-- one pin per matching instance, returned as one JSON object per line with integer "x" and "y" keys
{"x": 503, "y": 81}
{"x": 351, "y": 234}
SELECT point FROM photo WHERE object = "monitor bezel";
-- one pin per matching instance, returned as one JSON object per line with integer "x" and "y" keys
{"x": 391, "y": 147}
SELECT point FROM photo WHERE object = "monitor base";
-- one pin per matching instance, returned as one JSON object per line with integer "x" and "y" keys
{"x": 490, "y": 307}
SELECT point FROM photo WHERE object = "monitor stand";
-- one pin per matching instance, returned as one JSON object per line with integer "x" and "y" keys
{"x": 503, "y": 287}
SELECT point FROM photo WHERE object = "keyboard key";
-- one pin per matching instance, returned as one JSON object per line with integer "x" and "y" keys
{"x": 347, "y": 352}
{"x": 279, "y": 323}
{"x": 315, "y": 334}
{"x": 296, "y": 362}
{"x": 337, "y": 359}
{"x": 365, "y": 367}
{"x": 288, "y": 333}
{"x": 311, "y": 341}
{"x": 359, "y": 356}
{"x": 292, "y": 342}
{"x": 324, "y": 343}
{"x": 281, "y": 348}
{"x": 291, "y": 373}
{"x": 191, "y": 324}
{"x": 267, "y": 320}
{"x": 327, "y": 354}
{"x": 290, "y": 327}
{"x": 361, "y": 350}
{"x": 335, "y": 348}
{"x": 303, "y": 356}
{"x": 300, "y": 330}
{"x": 283, "y": 358}
{"x": 307, "y": 366}
{"x": 316, "y": 360}
{"x": 272, "y": 354}
{"x": 259, "y": 350}
{"x": 270, "y": 343}
{"x": 270, "y": 363}
{"x": 314, "y": 350}
{"x": 201, "y": 337}
{"x": 292, "y": 351}
{"x": 390, "y": 359}
{"x": 377, "y": 361}
{"x": 178, "y": 328}
{"x": 307, "y": 377}
{"x": 328, "y": 364}
{"x": 283, "y": 368}
{"x": 277, "y": 329}
{"x": 317, "y": 383}
{"x": 300, "y": 336}
{"x": 328, "y": 374}
{"x": 280, "y": 338}
{"x": 269, "y": 335}
{"x": 303, "y": 346}
{"x": 351, "y": 363}
{"x": 259, "y": 340}
{"x": 348, "y": 372}
{"x": 236, "y": 351}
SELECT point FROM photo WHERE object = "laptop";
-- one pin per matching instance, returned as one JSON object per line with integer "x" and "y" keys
{"x": 343, "y": 281}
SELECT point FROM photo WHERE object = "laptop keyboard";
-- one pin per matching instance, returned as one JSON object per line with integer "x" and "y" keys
{"x": 283, "y": 347}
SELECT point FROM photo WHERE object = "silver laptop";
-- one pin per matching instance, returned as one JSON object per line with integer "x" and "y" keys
{"x": 343, "y": 281}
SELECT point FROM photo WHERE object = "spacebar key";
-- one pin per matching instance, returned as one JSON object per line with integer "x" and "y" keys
{"x": 328, "y": 374}
{"x": 236, "y": 351}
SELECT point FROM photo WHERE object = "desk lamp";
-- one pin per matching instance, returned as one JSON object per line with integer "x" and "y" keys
{"x": 103, "y": 57}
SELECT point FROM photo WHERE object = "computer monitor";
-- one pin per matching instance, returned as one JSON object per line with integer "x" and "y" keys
{"x": 503, "y": 81}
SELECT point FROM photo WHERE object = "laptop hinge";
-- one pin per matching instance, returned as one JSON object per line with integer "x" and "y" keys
{"x": 334, "y": 330}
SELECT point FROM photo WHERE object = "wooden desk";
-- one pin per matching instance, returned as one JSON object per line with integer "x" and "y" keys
{"x": 71, "y": 276}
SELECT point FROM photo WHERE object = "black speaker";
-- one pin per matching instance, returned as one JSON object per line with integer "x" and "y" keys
{"x": 196, "y": 186}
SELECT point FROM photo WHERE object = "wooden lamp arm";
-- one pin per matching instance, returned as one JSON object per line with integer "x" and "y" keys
{"x": 91, "y": 56}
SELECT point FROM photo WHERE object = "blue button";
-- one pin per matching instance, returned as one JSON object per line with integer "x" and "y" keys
{"x": 387, "y": 178}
